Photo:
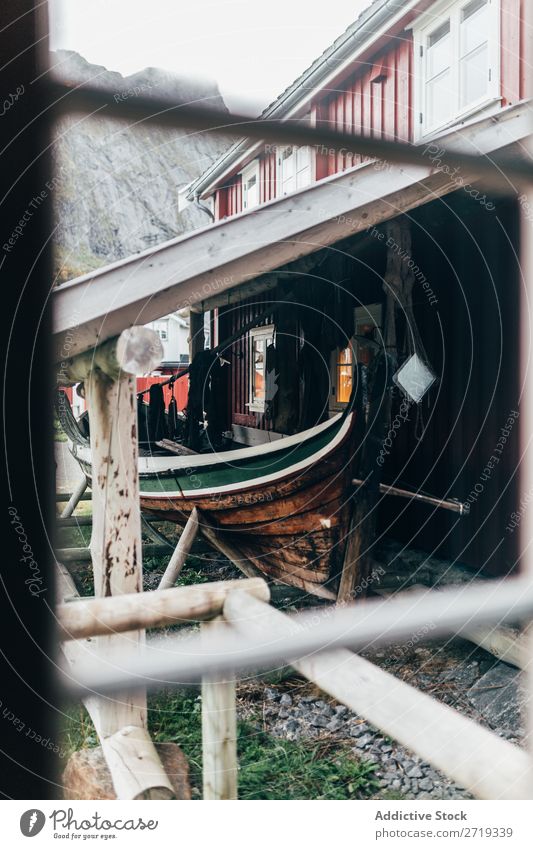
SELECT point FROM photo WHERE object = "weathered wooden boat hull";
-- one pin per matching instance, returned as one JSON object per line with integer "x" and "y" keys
{"x": 285, "y": 506}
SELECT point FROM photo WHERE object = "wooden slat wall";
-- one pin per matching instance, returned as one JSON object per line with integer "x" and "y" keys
{"x": 239, "y": 355}
{"x": 511, "y": 47}
{"x": 267, "y": 177}
{"x": 376, "y": 101}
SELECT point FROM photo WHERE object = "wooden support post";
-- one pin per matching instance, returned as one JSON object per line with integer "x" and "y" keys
{"x": 219, "y": 732}
{"x": 489, "y": 767}
{"x": 181, "y": 552}
{"x": 110, "y": 386}
{"x": 75, "y": 498}
{"x": 362, "y": 527}
{"x": 196, "y": 334}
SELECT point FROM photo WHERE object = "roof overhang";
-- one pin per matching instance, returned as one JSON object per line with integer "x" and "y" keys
{"x": 191, "y": 269}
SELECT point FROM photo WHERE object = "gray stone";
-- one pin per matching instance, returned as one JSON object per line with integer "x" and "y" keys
{"x": 292, "y": 725}
{"x": 425, "y": 784}
{"x": 386, "y": 747}
{"x": 283, "y": 713}
{"x": 285, "y": 700}
{"x": 498, "y": 696}
{"x": 415, "y": 772}
{"x": 335, "y": 724}
{"x": 341, "y": 710}
{"x": 319, "y": 721}
{"x": 363, "y": 741}
{"x": 358, "y": 730}
{"x": 271, "y": 695}
{"x": 328, "y": 711}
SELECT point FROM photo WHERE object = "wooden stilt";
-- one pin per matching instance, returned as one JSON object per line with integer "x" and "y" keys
{"x": 181, "y": 552}
{"x": 219, "y": 732}
{"x": 75, "y": 498}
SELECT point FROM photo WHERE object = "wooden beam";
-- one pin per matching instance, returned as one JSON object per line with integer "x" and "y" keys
{"x": 506, "y": 644}
{"x": 218, "y": 258}
{"x": 377, "y": 622}
{"x": 83, "y": 555}
{"x": 65, "y": 496}
{"x": 75, "y": 498}
{"x": 489, "y": 767}
{"x": 181, "y": 552}
{"x": 98, "y": 616}
{"x": 219, "y": 730}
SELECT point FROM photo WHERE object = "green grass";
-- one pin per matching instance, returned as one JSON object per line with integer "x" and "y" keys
{"x": 269, "y": 768}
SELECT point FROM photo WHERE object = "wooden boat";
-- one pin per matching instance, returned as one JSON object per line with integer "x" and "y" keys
{"x": 284, "y": 505}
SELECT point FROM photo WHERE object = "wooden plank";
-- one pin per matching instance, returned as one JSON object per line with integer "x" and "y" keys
{"x": 181, "y": 272}
{"x": 181, "y": 552}
{"x": 489, "y": 767}
{"x": 92, "y": 617}
{"x": 219, "y": 731}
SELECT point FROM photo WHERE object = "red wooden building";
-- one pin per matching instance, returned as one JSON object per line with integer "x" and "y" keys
{"x": 431, "y": 73}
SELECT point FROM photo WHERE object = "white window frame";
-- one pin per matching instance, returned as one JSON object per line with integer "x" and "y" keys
{"x": 422, "y": 29}
{"x": 279, "y": 169}
{"x": 251, "y": 170}
{"x": 267, "y": 333}
{"x": 161, "y": 326}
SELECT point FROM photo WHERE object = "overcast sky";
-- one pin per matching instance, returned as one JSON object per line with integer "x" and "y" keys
{"x": 254, "y": 49}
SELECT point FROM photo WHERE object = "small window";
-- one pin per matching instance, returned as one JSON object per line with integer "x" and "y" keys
{"x": 458, "y": 60}
{"x": 294, "y": 169}
{"x": 368, "y": 320}
{"x": 161, "y": 328}
{"x": 260, "y": 339}
{"x": 250, "y": 185}
{"x": 344, "y": 375}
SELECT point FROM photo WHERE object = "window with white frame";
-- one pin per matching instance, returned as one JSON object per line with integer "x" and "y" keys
{"x": 458, "y": 70}
{"x": 294, "y": 169}
{"x": 250, "y": 185}
{"x": 260, "y": 339}
{"x": 161, "y": 328}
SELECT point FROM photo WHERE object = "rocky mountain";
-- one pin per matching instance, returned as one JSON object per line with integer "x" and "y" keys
{"x": 116, "y": 186}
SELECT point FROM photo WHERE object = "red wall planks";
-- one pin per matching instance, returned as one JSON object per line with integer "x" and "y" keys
{"x": 511, "y": 67}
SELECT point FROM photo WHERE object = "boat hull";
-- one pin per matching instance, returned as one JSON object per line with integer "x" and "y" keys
{"x": 290, "y": 519}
